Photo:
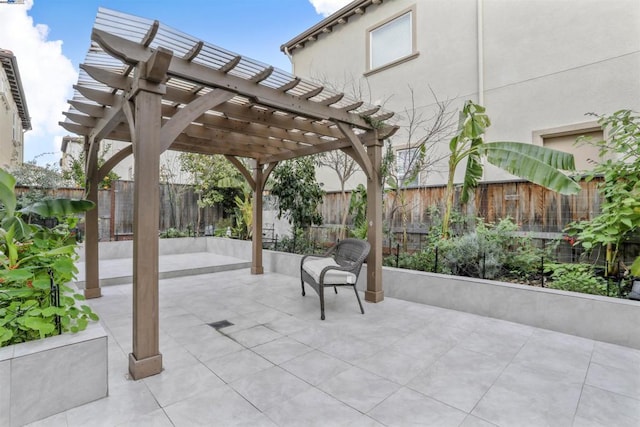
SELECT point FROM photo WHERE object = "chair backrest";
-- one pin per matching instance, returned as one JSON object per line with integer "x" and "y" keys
{"x": 351, "y": 251}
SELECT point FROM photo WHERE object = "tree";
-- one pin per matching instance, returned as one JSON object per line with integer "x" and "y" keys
{"x": 539, "y": 165}
{"x": 168, "y": 176}
{"x": 402, "y": 167}
{"x": 29, "y": 174}
{"x": 620, "y": 209}
{"x": 342, "y": 164}
{"x": 215, "y": 180}
{"x": 299, "y": 194}
{"x": 38, "y": 179}
{"x": 345, "y": 167}
{"x": 76, "y": 169}
{"x": 358, "y": 208}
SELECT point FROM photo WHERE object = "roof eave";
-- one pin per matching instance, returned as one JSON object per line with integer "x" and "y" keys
{"x": 337, "y": 18}
{"x": 11, "y": 65}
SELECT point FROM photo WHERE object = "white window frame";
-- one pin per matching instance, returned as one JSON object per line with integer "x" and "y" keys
{"x": 576, "y": 129}
{"x": 370, "y": 32}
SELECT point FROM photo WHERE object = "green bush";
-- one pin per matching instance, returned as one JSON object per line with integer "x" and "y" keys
{"x": 299, "y": 243}
{"x": 576, "y": 277}
{"x": 421, "y": 261}
{"x": 171, "y": 233}
{"x": 37, "y": 263}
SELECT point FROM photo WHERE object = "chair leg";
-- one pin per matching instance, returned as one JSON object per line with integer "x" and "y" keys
{"x": 321, "y": 295}
{"x": 358, "y": 297}
{"x": 302, "y": 284}
{"x": 335, "y": 288}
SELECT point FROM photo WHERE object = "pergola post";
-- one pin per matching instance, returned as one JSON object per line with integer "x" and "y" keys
{"x": 146, "y": 360}
{"x": 374, "y": 292}
{"x": 256, "y": 241}
{"x": 92, "y": 262}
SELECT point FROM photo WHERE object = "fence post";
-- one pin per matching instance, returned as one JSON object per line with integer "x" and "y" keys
{"x": 542, "y": 271}
{"x": 112, "y": 213}
{"x": 55, "y": 300}
{"x": 484, "y": 263}
{"x": 435, "y": 264}
{"x": 397, "y": 254}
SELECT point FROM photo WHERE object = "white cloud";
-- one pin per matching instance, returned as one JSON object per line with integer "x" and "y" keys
{"x": 327, "y": 7}
{"x": 47, "y": 76}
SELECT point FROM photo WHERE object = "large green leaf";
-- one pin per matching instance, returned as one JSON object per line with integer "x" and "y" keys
{"x": 539, "y": 165}
{"x": 473, "y": 172}
{"x": 44, "y": 327}
{"x": 21, "y": 229}
{"x": 58, "y": 207}
{"x": 7, "y": 192}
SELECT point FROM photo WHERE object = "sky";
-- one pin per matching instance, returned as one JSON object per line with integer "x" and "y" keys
{"x": 50, "y": 39}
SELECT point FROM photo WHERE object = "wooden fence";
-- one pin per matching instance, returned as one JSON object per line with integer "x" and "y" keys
{"x": 533, "y": 207}
{"x": 178, "y": 208}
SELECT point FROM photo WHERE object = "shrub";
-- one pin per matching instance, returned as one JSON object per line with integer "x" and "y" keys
{"x": 37, "y": 263}
{"x": 171, "y": 233}
{"x": 299, "y": 243}
{"x": 576, "y": 277}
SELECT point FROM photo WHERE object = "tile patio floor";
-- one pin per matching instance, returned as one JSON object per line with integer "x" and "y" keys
{"x": 400, "y": 364}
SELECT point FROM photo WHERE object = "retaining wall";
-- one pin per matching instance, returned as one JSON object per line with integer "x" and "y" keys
{"x": 44, "y": 377}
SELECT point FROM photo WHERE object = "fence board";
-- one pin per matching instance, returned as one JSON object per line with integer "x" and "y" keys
{"x": 533, "y": 207}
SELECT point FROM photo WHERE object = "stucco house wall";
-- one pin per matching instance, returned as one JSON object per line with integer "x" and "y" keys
{"x": 534, "y": 64}
{"x": 14, "y": 116}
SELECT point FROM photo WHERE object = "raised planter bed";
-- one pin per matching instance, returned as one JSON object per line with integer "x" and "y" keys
{"x": 44, "y": 377}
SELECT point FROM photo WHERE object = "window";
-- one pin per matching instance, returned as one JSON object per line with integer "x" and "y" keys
{"x": 392, "y": 41}
{"x": 564, "y": 139}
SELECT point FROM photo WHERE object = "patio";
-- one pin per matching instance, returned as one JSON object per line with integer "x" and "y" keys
{"x": 401, "y": 363}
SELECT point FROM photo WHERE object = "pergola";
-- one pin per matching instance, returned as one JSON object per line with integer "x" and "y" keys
{"x": 160, "y": 89}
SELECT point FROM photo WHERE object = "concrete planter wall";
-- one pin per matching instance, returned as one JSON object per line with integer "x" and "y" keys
{"x": 44, "y": 377}
{"x": 590, "y": 316}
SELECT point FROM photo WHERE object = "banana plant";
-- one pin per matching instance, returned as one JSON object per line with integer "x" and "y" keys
{"x": 540, "y": 165}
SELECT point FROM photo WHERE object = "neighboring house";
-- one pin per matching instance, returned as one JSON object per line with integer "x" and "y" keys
{"x": 537, "y": 66}
{"x": 14, "y": 115}
{"x": 170, "y": 171}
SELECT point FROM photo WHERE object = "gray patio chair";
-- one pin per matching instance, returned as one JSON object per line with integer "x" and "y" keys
{"x": 340, "y": 266}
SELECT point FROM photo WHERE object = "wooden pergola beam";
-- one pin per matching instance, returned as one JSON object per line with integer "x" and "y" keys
{"x": 235, "y": 111}
{"x": 98, "y": 96}
{"x": 192, "y": 111}
{"x": 89, "y": 109}
{"x": 358, "y": 147}
{"x": 113, "y": 117}
{"x": 243, "y": 170}
{"x": 307, "y": 151}
{"x": 131, "y": 52}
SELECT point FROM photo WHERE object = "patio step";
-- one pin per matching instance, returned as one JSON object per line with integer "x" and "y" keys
{"x": 119, "y": 271}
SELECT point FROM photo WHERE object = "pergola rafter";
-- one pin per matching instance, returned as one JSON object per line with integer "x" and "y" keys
{"x": 160, "y": 89}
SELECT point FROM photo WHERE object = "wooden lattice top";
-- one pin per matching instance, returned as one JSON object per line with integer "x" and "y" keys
{"x": 259, "y": 111}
